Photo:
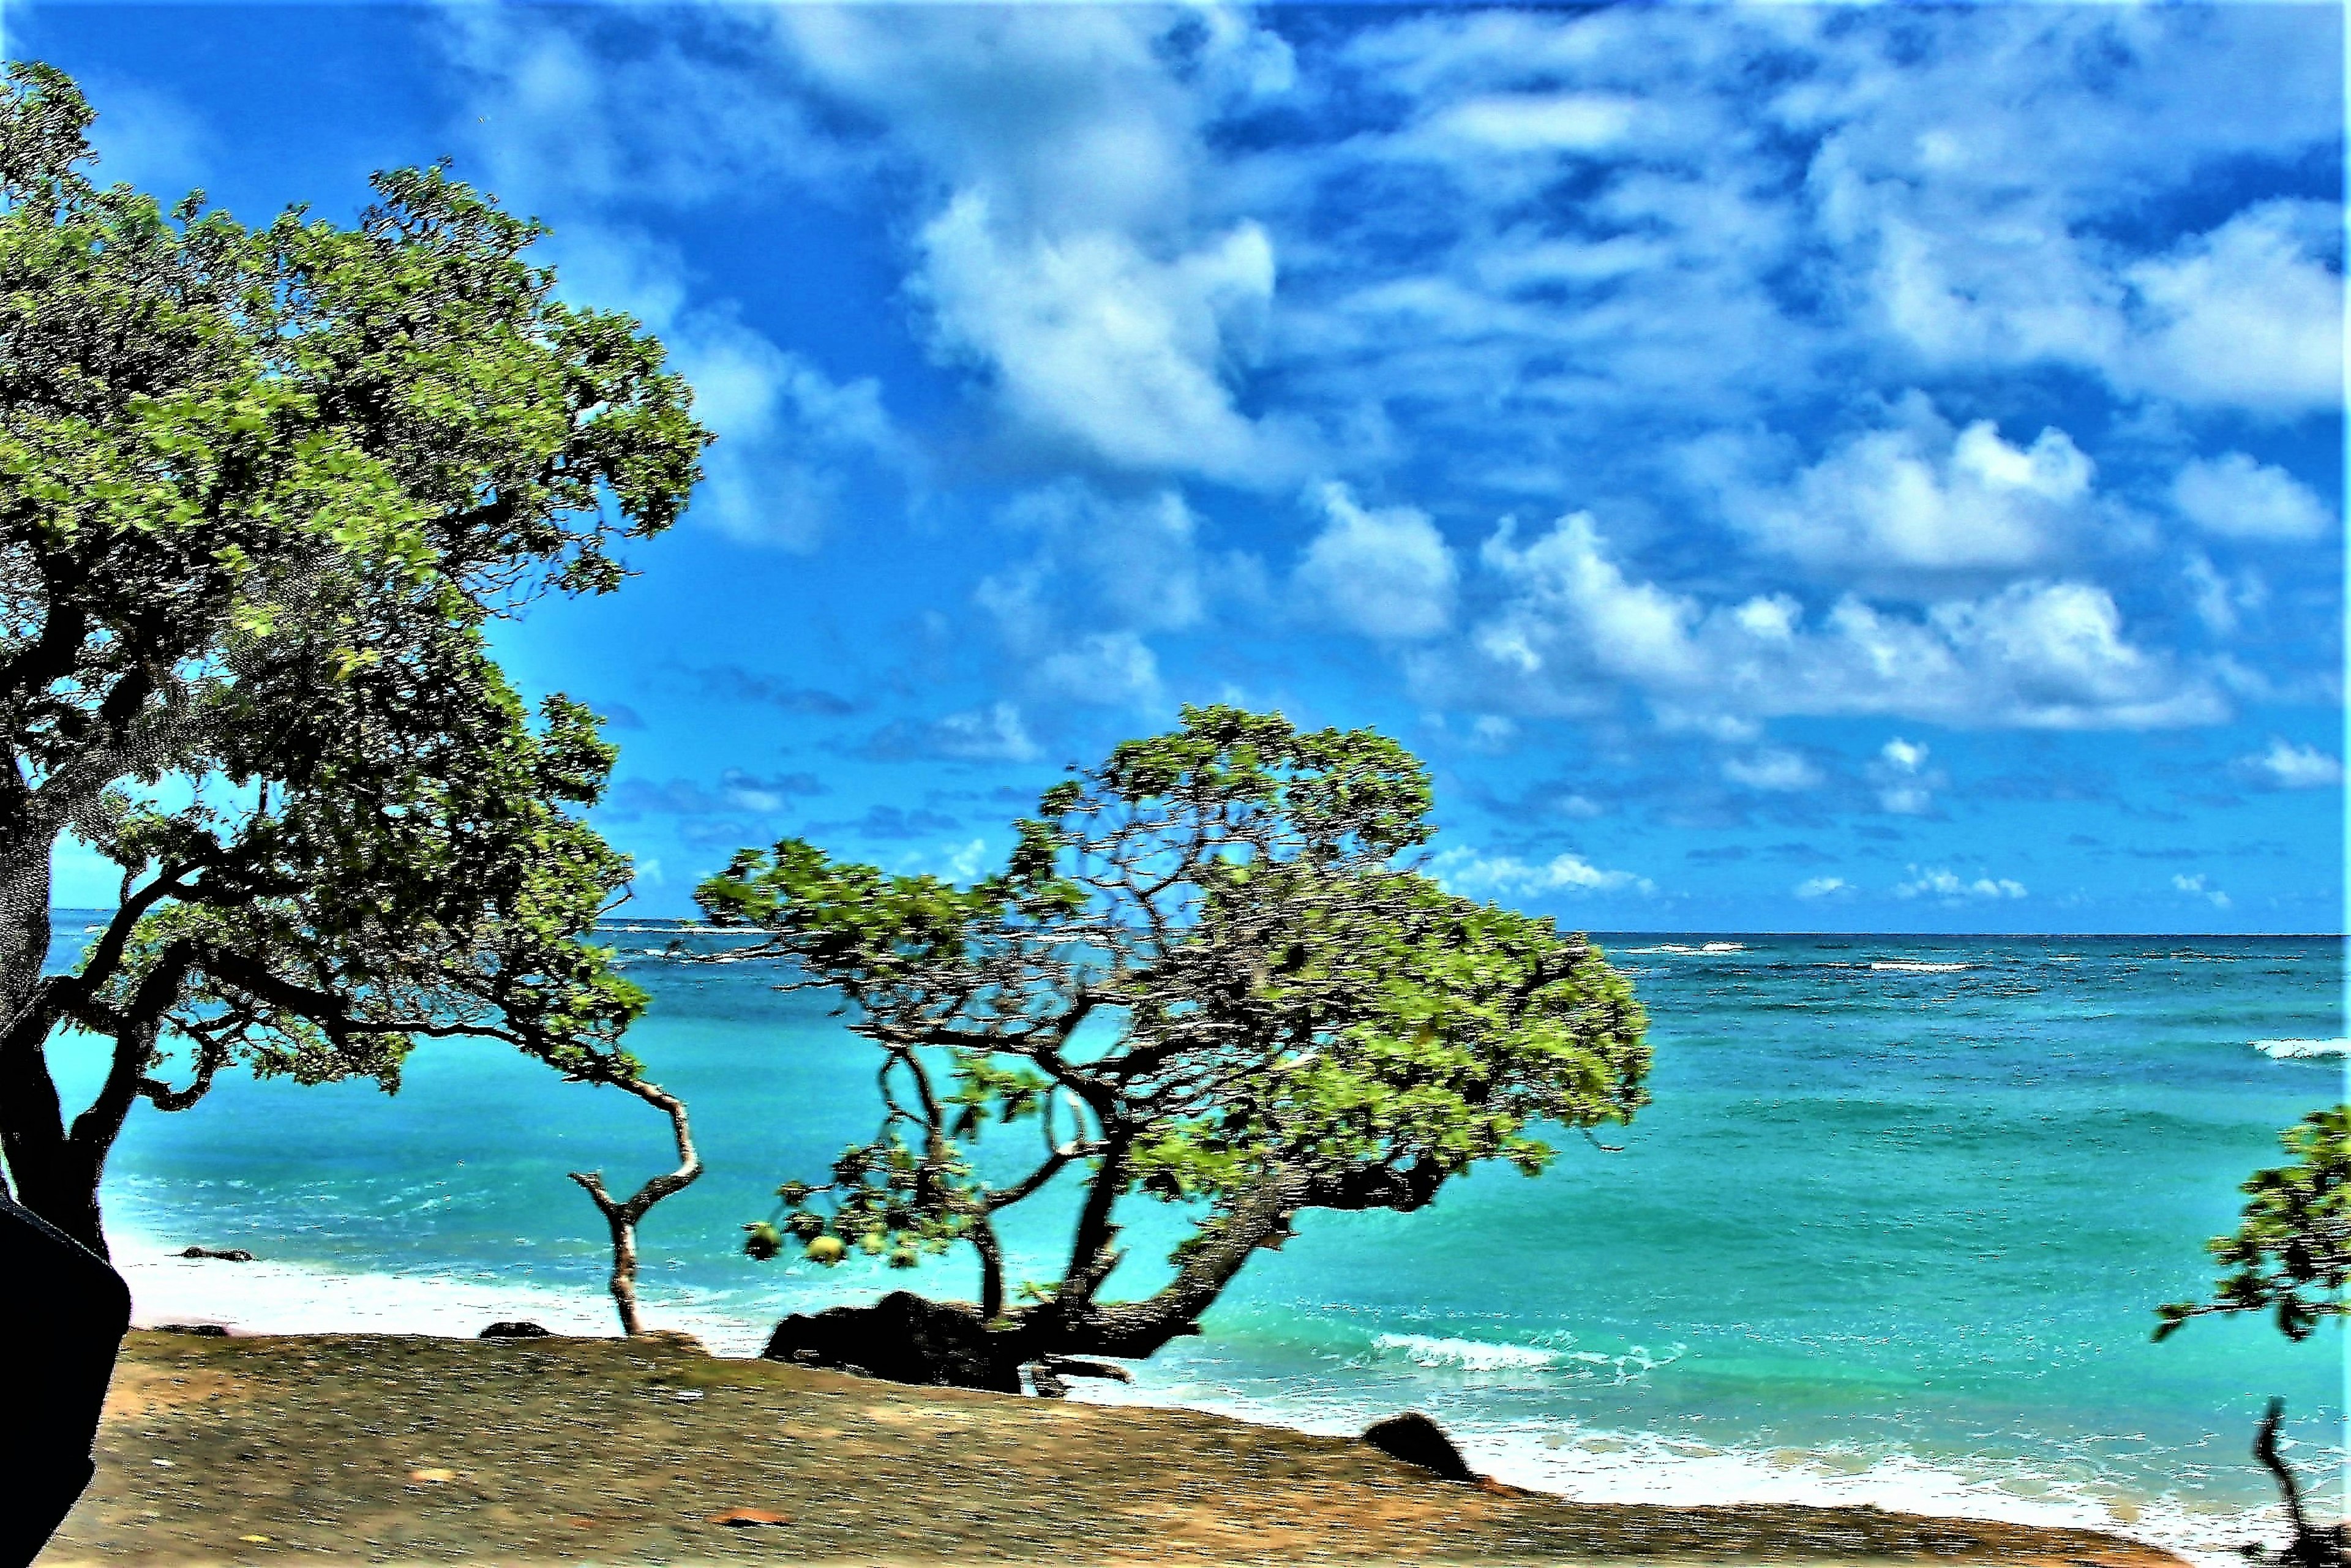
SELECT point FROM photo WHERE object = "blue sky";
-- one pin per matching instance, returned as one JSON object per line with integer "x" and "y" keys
{"x": 1784, "y": 468}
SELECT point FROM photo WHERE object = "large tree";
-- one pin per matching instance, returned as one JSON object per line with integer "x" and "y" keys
{"x": 263, "y": 491}
{"x": 1208, "y": 977}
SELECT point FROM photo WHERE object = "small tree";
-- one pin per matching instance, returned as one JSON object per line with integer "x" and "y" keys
{"x": 262, "y": 492}
{"x": 1288, "y": 1019}
{"x": 2290, "y": 1255}
{"x": 2291, "y": 1252}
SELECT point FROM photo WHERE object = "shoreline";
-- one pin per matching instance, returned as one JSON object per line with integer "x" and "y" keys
{"x": 1601, "y": 1467}
{"x": 415, "y": 1448}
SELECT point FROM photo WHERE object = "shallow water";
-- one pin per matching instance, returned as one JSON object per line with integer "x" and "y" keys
{"x": 1892, "y": 1231}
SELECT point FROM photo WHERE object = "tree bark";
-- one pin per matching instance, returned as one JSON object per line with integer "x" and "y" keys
{"x": 621, "y": 1215}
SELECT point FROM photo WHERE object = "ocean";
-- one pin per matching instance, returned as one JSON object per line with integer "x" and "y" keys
{"x": 1892, "y": 1231}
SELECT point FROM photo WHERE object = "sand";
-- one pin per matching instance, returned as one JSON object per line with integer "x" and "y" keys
{"x": 403, "y": 1448}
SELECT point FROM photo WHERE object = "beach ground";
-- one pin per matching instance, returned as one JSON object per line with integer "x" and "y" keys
{"x": 400, "y": 1449}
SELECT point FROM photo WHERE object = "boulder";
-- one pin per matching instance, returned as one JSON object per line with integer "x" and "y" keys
{"x": 902, "y": 1338}
{"x": 226, "y": 1254}
{"x": 515, "y": 1330}
{"x": 1418, "y": 1440}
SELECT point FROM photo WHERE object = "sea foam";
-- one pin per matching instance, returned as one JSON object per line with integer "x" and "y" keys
{"x": 1596, "y": 1464}
{"x": 270, "y": 1298}
{"x": 2282, "y": 1050}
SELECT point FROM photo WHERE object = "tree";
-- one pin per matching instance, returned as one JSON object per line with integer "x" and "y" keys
{"x": 263, "y": 492}
{"x": 2291, "y": 1252}
{"x": 2290, "y": 1255}
{"x": 1294, "y": 1020}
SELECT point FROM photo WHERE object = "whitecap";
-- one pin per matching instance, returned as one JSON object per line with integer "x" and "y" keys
{"x": 1467, "y": 1355}
{"x": 1917, "y": 966}
{"x": 2284, "y": 1050}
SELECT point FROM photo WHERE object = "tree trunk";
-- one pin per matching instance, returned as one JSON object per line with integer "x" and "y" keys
{"x": 621, "y": 1215}
{"x": 52, "y": 1176}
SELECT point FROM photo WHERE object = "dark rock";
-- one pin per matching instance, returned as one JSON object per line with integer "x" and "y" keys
{"x": 518, "y": 1330}
{"x": 226, "y": 1254}
{"x": 209, "y": 1331}
{"x": 1418, "y": 1440}
{"x": 902, "y": 1338}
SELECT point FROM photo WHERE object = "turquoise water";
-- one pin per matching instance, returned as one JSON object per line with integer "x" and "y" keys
{"x": 1887, "y": 1233}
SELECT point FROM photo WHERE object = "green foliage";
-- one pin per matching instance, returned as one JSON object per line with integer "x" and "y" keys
{"x": 262, "y": 491}
{"x": 1299, "y": 1020}
{"x": 2292, "y": 1250}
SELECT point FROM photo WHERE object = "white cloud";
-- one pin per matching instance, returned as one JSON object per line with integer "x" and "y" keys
{"x": 1466, "y": 870}
{"x": 2198, "y": 885}
{"x": 786, "y": 432}
{"x": 1106, "y": 669}
{"x": 1823, "y": 887}
{"x": 1094, "y": 342}
{"x": 146, "y": 138}
{"x": 2248, "y": 316}
{"x": 1534, "y": 122}
{"x": 1905, "y": 784}
{"x": 1383, "y": 573}
{"x": 2035, "y": 655}
{"x": 992, "y": 734}
{"x": 1939, "y": 882}
{"x": 1772, "y": 769}
{"x": 2285, "y": 765}
{"x": 2221, "y": 601}
{"x": 1131, "y": 563}
{"x": 1923, "y": 497}
{"x": 1069, "y": 257}
{"x": 2234, "y": 496}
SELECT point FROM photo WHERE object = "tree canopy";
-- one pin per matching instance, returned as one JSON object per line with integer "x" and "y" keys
{"x": 1285, "y": 1016}
{"x": 263, "y": 491}
{"x": 2291, "y": 1252}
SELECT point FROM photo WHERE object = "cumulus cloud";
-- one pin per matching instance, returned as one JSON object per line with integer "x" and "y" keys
{"x": 1823, "y": 887}
{"x": 787, "y": 433}
{"x": 1093, "y": 341}
{"x": 993, "y": 733}
{"x": 736, "y": 793}
{"x": 2035, "y": 655}
{"x": 2199, "y": 885}
{"x": 1941, "y": 882}
{"x": 790, "y": 437}
{"x": 1469, "y": 872}
{"x": 2248, "y": 316}
{"x": 1773, "y": 769}
{"x": 1070, "y": 258}
{"x": 1106, "y": 669}
{"x": 1905, "y": 786}
{"x": 2285, "y": 765}
{"x": 1923, "y": 496}
{"x": 1383, "y": 573}
{"x": 1101, "y": 574}
{"x": 146, "y": 138}
{"x": 2235, "y": 495}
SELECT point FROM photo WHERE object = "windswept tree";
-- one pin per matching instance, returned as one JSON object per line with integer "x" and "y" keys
{"x": 262, "y": 493}
{"x": 1206, "y": 978}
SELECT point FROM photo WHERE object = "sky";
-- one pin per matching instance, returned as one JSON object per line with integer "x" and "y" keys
{"x": 1781, "y": 468}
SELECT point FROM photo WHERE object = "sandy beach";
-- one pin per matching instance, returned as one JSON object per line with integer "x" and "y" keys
{"x": 379, "y": 1448}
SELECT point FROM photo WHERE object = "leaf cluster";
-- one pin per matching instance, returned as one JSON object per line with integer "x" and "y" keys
{"x": 2291, "y": 1252}
{"x": 262, "y": 491}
